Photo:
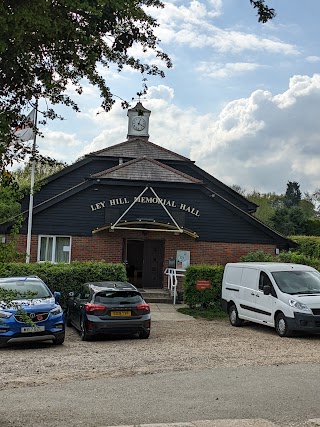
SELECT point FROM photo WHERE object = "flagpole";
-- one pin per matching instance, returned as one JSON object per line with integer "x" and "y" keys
{"x": 33, "y": 168}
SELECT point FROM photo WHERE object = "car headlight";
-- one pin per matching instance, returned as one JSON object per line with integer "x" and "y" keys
{"x": 5, "y": 314}
{"x": 299, "y": 305}
{"x": 57, "y": 310}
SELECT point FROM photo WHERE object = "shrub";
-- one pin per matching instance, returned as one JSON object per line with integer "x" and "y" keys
{"x": 65, "y": 278}
{"x": 297, "y": 258}
{"x": 308, "y": 245}
{"x": 194, "y": 297}
{"x": 258, "y": 256}
{"x": 289, "y": 257}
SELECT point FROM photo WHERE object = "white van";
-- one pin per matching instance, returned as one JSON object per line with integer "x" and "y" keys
{"x": 284, "y": 296}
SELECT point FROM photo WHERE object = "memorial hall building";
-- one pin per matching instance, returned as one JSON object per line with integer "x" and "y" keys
{"x": 140, "y": 204}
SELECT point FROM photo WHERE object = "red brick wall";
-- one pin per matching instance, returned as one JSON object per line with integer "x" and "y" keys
{"x": 108, "y": 247}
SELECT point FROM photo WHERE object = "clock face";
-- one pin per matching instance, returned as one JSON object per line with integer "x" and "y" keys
{"x": 138, "y": 123}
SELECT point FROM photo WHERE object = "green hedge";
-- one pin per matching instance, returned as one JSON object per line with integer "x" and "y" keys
{"x": 65, "y": 278}
{"x": 212, "y": 296}
{"x": 308, "y": 245}
{"x": 290, "y": 257}
{"x": 313, "y": 227}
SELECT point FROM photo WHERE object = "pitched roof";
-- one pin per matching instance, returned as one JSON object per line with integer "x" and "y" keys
{"x": 139, "y": 147}
{"x": 146, "y": 169}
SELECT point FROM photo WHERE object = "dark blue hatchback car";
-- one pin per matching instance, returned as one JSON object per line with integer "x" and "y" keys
{"x": 33, "y": 313}
{"x": 108, "y": 308}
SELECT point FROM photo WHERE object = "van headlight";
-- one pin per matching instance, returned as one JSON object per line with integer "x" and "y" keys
{"x": 299, "y": 305}
{"x": 56, "y": 311}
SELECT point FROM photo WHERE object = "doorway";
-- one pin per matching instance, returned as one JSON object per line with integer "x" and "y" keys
{"x": 145, "y": 263}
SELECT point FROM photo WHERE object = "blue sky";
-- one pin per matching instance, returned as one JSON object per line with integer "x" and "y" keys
{"x": 242, "y": 99}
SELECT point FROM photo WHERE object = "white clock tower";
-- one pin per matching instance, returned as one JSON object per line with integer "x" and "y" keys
{"x": 138, "y": 124}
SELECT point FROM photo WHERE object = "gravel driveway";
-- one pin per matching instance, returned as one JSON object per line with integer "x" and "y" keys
{"x": 172, "y": 346}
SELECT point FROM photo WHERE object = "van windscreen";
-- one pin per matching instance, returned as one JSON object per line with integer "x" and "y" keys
{"x": 298, "y": 282}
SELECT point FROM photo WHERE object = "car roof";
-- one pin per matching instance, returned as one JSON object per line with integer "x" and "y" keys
{"x": 19, "y": 278}
{"x": 111, "y": 285}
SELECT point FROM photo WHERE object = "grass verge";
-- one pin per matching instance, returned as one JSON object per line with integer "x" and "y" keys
{"x": 212, "y": 313}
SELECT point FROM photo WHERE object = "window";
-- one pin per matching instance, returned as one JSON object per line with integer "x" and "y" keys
{"x": 54, "y": 249}
{"x": 264, "y": 280}
{"x": 118, "y": 297}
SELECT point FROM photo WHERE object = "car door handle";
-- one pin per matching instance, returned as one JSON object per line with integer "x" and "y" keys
{"x": 258, "y": 296}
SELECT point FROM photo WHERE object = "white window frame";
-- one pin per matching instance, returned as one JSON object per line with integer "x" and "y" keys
{"x": 54, "y": 241}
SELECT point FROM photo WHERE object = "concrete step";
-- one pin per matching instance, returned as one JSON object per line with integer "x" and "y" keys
{"x": 160, "y": 296}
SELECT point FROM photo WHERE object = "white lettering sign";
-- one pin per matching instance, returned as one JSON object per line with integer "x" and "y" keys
{"x": 145, "y": 200}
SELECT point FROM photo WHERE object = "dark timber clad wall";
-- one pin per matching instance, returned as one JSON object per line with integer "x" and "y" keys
{"x": 74, "y": 215}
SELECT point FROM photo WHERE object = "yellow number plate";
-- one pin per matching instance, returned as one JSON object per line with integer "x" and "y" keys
{"x": 120, "y": 313}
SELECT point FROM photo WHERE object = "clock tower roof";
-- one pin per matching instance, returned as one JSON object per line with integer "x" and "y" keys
{"x": 139, "y": 108}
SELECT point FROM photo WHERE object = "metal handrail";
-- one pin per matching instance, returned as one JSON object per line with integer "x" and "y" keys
{"x": 173, "y": 274}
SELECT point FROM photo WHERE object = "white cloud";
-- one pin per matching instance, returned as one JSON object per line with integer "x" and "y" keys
{"x": 59, "y": 145}
{"x": 264, "y": 140}
{"x": 192, "y": 25}
{"x": 313, "y": 59}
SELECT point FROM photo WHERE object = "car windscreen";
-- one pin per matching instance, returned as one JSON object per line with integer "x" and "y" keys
{"x": 26, "y": 289}
{"x": 297, "y": 282}
{"x": 118, "y": 297}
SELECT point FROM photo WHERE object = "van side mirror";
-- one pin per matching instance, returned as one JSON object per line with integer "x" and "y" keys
{"x": 267, "y": 289}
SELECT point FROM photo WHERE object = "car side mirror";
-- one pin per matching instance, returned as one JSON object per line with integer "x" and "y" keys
{"x": 57, "y": 295}
{"x": 267, "y": 289}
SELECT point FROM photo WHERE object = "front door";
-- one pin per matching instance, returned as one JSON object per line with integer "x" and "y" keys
{"x": 145, "y": 262}
{"x": 152, "y": 272}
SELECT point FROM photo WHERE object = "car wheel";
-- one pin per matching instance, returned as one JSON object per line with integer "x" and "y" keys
{"x": 282, "y": 327}
{"x": 83, "y": 331}
{"x": 58, "y": 341}
{"x": 233, "y": 316}
{"x": 68, "y": 319}
{"x": 143, "y": 335}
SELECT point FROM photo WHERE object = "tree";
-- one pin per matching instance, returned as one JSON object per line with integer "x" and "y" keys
{"x": 267, "y": 204}
{"x": 290, "y": 221}
{"x": 293, "y": 194}
{"x": 46, "y": 45}
{"x": 264, "y": 12}
{"x": 10, "y": 196}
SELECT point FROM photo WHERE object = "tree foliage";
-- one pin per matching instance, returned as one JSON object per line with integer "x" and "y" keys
{"x": 264, "y": 12}
{"x": 290, "y": 221}
{"x": 10, "y": 196}
{"x": 293, "y": 194}
{"x": 47, "y": 45}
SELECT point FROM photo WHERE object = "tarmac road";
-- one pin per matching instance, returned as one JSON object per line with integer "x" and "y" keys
{"x": 285, "y": 395}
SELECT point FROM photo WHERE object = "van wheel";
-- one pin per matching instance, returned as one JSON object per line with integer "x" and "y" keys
{"x": 233, "y": 316}
{"x": 281, "y": 325}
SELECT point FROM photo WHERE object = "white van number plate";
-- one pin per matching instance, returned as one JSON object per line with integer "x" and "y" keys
{"x": 32, "y": 329}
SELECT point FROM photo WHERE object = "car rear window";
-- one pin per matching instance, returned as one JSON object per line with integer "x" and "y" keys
{"x": 22, "y": 287}
{"x": 111, "y": 297}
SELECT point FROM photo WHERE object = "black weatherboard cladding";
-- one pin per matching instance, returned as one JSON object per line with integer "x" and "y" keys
{"x": 68, "y": 178}
{"x": 81, "y": 213}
